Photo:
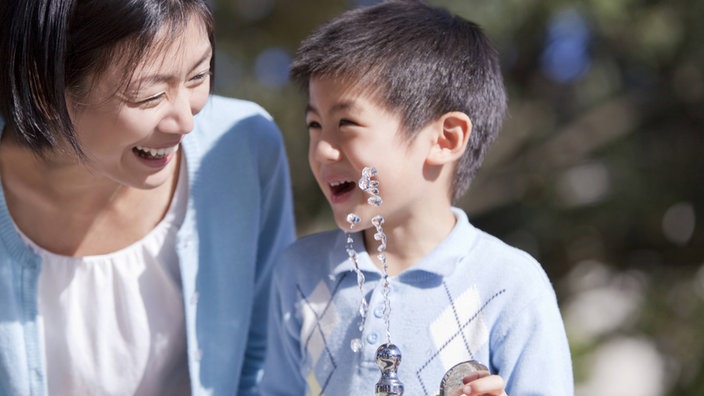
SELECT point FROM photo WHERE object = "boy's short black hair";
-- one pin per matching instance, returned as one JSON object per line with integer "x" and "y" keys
{"x": 418, "y": 60}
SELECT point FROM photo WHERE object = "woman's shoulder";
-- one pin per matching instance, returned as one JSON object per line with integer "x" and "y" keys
{"x": 226, "y": 109}
{"x": 234, "y": 130}
{"x": 223, "y": 116}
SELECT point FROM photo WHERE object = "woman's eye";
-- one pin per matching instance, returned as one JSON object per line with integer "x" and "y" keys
{"x": 200, "y": 77}
{"x": 140, "y": 101}
{"x": 150, "y": 101}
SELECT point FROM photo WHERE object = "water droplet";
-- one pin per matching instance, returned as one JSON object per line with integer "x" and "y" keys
{"x": 353, "y": 219}
{"x": 356, "y": 345}
{"x": 362, "y": 312}
{"x": 360, "y": 280}
{"x": 375, "y": 200}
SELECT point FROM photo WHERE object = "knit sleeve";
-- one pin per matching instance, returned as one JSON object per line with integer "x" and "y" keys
{"x": 276, "y": 232}
{"x": 282, "y": 375}
{"x": 530, "y": 350}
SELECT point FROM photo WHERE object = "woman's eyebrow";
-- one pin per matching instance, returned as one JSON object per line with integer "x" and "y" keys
{"x": 158, "y": 78}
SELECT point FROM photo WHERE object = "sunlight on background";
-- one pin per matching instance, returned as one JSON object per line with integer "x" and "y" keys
{"x": 625, "y": 366}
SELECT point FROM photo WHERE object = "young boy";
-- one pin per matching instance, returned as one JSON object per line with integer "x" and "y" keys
{"x": 417, "y": 93}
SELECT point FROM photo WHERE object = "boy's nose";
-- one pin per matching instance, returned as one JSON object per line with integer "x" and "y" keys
{"x": 324, "y": 151}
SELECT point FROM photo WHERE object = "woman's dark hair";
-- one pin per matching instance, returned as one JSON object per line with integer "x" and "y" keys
{"x": 52, "y": 48}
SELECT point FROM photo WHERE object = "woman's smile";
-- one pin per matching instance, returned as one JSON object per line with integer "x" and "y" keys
{"x": 154, "y": 153}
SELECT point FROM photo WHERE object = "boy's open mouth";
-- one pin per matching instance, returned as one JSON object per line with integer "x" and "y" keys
{"x": 338, "y": 188}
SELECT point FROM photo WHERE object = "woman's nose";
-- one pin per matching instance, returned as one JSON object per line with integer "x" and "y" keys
{"x": 180, "y": 116}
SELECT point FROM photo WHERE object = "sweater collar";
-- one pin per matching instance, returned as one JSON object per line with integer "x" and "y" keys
{"x": 441, "y": 261}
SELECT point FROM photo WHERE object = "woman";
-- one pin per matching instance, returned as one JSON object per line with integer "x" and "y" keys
{"x": 136, "y": 238}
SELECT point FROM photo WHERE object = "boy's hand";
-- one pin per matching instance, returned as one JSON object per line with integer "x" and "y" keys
{"x": 481, "y": 383}
{"x": 471, "y": 378}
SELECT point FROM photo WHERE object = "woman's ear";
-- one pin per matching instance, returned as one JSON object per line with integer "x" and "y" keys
{"x": 453, "y": 130}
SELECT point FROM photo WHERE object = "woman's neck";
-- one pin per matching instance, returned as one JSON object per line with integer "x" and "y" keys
{"x": 69, "y": 209}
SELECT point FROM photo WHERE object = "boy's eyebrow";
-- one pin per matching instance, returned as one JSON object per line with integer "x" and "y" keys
{"x": 335, "y": 108}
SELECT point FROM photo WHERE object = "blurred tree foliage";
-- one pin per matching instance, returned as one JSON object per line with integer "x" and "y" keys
{"x": 600, "y": 160}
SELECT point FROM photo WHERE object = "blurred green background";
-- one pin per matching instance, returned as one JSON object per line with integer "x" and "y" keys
{"x": 597, "y": 173}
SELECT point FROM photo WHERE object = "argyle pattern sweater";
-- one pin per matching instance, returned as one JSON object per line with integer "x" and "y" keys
{"x": 473, "y": 297}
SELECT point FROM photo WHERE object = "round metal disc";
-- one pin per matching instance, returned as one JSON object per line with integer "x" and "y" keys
{"x": 452, "y": 385}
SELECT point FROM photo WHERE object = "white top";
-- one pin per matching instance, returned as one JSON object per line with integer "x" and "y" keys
{"x": 113, "y": 324}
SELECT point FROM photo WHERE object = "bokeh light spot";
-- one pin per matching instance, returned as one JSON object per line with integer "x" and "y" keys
{"x": 678, "y": 223}
{"x": 566, "y": 54}
{"x": 271, "y": 67}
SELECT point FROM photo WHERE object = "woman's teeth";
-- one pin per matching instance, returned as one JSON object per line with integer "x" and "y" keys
{"x": 151, "y": 153}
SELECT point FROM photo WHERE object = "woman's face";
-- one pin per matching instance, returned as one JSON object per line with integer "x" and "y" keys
{"x": 132, "y": 136}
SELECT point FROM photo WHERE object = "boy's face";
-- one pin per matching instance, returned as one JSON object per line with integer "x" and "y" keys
{"x": 348, "y": 131}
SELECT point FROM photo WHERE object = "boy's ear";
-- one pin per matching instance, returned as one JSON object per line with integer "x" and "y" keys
{"x": 453, "y": 130}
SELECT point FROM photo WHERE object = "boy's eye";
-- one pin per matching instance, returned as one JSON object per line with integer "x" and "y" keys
{"x": 313, "y": 125}
{"x": 345, "y": 121}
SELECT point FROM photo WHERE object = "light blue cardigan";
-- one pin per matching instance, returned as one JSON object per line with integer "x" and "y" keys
{"x": 239, "y": 217}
